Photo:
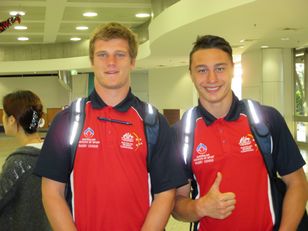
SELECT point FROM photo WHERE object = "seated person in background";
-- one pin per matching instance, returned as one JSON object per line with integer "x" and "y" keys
{"x": 20, "y": 191}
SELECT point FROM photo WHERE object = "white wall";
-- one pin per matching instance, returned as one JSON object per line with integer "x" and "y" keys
{"x": 171, "y": 88}
{"x": 79, "y": 85}
{"x": 140, "y": 85}
{"x": 49, "y": 89}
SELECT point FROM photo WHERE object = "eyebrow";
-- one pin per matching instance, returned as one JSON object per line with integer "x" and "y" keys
{"x": 200, "y": 66}
{"x": 220, "y": 64}
{"x": 125, "y": 51}
{"x": 100, "y": 51}
{"x": 215, "y": 65}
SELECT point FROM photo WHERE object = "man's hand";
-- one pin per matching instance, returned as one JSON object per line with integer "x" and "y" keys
{"x": 216, "y": 204}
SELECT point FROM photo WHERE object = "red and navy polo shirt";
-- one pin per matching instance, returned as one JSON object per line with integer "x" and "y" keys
{"x": 111, "y": 187}
{"x": 227, "y": 145}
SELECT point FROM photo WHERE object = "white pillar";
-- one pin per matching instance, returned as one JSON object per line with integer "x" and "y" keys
{"x": 268, "y": 76}
{"x": 272, "y": 78}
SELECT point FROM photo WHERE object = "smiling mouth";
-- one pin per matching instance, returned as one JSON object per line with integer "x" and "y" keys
{"x": 212, "y": 88}
{"x": 111, "y": 72}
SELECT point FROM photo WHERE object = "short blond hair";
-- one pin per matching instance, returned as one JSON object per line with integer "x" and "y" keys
{"x": 114, "y": 30}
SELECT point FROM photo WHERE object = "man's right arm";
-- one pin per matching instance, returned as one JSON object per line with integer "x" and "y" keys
{"x": 214, "y": 204}
{"x": 56, "y": 207}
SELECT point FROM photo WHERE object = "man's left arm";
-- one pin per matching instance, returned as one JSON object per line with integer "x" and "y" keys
{"x": 295, "y": 200}
{"x": 159, "y": 211}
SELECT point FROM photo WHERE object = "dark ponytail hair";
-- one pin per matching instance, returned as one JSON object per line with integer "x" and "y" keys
{"x": 26, "y": 107}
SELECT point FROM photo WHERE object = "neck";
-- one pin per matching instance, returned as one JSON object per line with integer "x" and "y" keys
{"x": 112, "y": 97}
{"x": 25, "y": 139}
{"x": 218, "y": 109}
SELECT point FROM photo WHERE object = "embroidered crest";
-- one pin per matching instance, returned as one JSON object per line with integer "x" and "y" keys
{"x": 88, "y": 133}
{"x": 246, "y": 143}
{"x": 88, "y": 140}
{"x": 201, "y": 148}
{"x": 130, "y": 141}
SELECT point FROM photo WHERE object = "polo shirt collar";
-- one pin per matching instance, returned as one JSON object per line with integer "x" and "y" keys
{"x": 98, "y": 103}
{"x": 232, "y": 115}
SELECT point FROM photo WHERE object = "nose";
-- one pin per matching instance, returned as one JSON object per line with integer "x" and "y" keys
{"x": 111, "y": 59}
{"x": 212, "y": 77}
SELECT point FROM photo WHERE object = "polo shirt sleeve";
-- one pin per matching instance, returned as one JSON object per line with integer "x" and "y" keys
{"x": 54, "y": 159}
{"x": 286, "y": 154}
{"x": 166, "y": 169}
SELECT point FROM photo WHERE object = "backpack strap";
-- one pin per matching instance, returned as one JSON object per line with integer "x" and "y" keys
{"x": 151, "y": 125}
{"x": 261, "y": 133}
{"x": 187, "y": 141}
{"x": 77, "y": 117}
{"x": 189, "y": 119}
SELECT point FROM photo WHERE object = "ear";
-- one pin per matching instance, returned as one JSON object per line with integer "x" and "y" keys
{"x": 11, "y": 120}
{"x": 191, "y": 76}
{"x": 133, "y": 63}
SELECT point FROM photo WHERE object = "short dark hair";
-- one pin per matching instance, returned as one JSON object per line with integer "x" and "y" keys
{"x": 114, "y": 30}
{"x": 210, "y": 41}
{"x": 26, "y": 107}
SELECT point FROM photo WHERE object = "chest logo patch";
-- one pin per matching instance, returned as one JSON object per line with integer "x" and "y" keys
{"x": 246, "y": 144}
{"x": 130, "y": 141}
{"x": 201, "y": 148}
{"x": 87, "y": 140}
{"x": 88, "y": 133}
{"x": 203, "y": 157}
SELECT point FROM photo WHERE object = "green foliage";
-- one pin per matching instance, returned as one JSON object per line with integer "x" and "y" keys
{"x": 299, "y": 101}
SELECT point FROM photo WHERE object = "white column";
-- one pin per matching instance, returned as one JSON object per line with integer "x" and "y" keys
{"x": 268, "y": 76}
{"x": 272, "y": 78}
{"x": 252, "y": 75}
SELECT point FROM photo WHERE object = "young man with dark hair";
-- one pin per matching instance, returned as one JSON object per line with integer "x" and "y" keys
{"x": 230, "y": 179}
{"x": 112, "y": 183}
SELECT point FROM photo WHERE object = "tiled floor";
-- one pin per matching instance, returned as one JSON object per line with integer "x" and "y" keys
{"x": 7, "y": 145}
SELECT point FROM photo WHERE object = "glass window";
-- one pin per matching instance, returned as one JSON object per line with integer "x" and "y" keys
{"x": 301, "y": 84}
{"x": 301, "y": 95}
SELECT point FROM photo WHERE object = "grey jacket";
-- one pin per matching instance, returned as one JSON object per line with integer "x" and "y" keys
{"x": 20, "y": 193}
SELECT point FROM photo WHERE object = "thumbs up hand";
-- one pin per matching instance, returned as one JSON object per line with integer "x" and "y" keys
{"x": 216, "y": 204}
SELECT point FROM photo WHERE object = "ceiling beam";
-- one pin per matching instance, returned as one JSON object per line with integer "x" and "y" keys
{"x": 53, "y": 18}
